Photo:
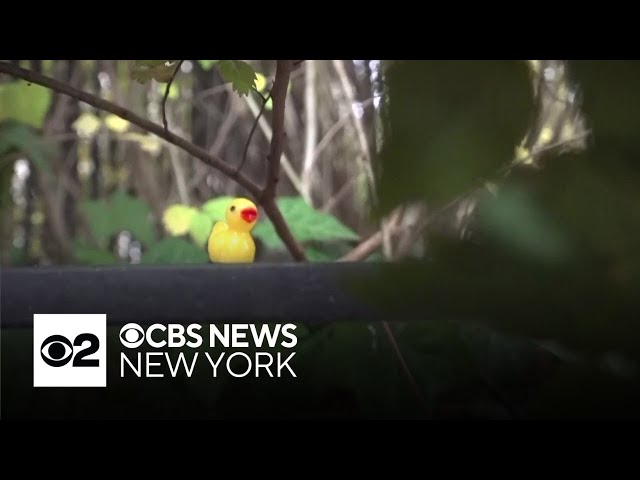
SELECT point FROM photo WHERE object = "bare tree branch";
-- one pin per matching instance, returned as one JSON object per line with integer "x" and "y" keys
{"x": 279, "y": 96}
{"x": 364, "y": 249}
{"x": 166, "y": 94}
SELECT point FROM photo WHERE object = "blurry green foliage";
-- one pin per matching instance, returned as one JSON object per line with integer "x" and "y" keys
{"x": 554, "y": 253}
{"x": 20, "y": 138}
{"x": 513, "y": 219}
{"x": 85, "y": 254}
{"x": 216, "y": 208}
{"x": 117, "y": 213}
{"x": 200, "y": 228}
{"x": 174, "y": 250}
{"x": 24, "y": 102}
{"x": 207, "y": 64}
{"x": 451, "y": 124}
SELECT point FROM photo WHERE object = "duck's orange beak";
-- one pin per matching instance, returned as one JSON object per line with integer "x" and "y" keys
{"x": 249, "y": 214}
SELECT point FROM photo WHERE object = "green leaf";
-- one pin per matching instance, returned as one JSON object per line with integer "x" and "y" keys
{"x": 24, "y": 102}
{"x": 216, "y": 208}
{"x": 240, "y": 74}
{"x": 17, "y": 137}
{"x": 207, "y": 64}
{"x": 177, "y": 219}
{"x": 327, "y": 251}
{"x": 306, "y": 224}
{"x": 118, "y": 213}
{"x": 161, "y": 72}
{"x": 174, "y": 250}
{"x": 317, "y": 255}
{"x": 200, "y": 228}
{"x": 88, "y": 255}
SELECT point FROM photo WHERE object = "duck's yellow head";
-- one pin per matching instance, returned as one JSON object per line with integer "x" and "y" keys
{"x": 241, "y": 214}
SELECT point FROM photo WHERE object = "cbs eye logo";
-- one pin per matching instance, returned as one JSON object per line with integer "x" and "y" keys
{"x": 57, "y": 350}
{"x": 132, "y": 335}
{"x": 69, "y": 350}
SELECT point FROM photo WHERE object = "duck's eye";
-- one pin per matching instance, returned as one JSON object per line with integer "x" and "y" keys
{"x": 233, "y": 207}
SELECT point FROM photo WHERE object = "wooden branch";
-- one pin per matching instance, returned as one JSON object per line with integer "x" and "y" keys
{"x": 128, "y": 115}
{"x": 364, "y": 249}
{"x": 279, "y": 97}
{"x": 268, "y": 198}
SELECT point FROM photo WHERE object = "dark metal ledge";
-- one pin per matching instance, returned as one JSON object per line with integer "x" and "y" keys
{"x": 306, "y": 293}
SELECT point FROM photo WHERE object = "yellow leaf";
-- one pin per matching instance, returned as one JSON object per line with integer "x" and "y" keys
{"x": 523, "y": 155}
{"x": 261, "y": 82}
{"x": 174, "y": 91}
{"x": 177, "y": 219}
{"x": 37, "y": 218}
{"x": 148, "y": 143}
{"x": 546, "y": 135}
{"x": 568, "y": 132}
{"x": 116, "y": 123}
{"x": 86, "y": 125}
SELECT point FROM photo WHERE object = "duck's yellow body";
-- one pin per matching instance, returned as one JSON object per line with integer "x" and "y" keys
{"x": 231, "y": 241}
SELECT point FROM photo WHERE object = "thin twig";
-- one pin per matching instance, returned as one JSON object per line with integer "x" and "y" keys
{"x": 253, "y": 129}
{"x": 166, "y": 94}
{"x": 403, "y": 363}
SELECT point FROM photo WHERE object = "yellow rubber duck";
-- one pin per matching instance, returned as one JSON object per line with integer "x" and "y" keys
{"x": 231, "y": 242}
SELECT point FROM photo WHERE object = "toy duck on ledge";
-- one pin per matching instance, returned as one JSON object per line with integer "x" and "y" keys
{"x": 231, "y": 241}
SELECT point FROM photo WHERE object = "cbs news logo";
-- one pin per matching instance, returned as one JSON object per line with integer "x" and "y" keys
{"x": 69, "y": 350}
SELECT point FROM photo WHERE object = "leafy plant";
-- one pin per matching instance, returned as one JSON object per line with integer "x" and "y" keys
{"x": 306, "y": 224}
{"x": 174, "y": 250}
{"x": 21, "y": 138}
{"x": 119, "y": 212}
{"x": 24, "y": 102}
{"x": 160, "y": 70}
{"x": 240, "y": 74}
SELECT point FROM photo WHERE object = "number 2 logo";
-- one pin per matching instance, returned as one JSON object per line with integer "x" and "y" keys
{"x": 57, "y": 351}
